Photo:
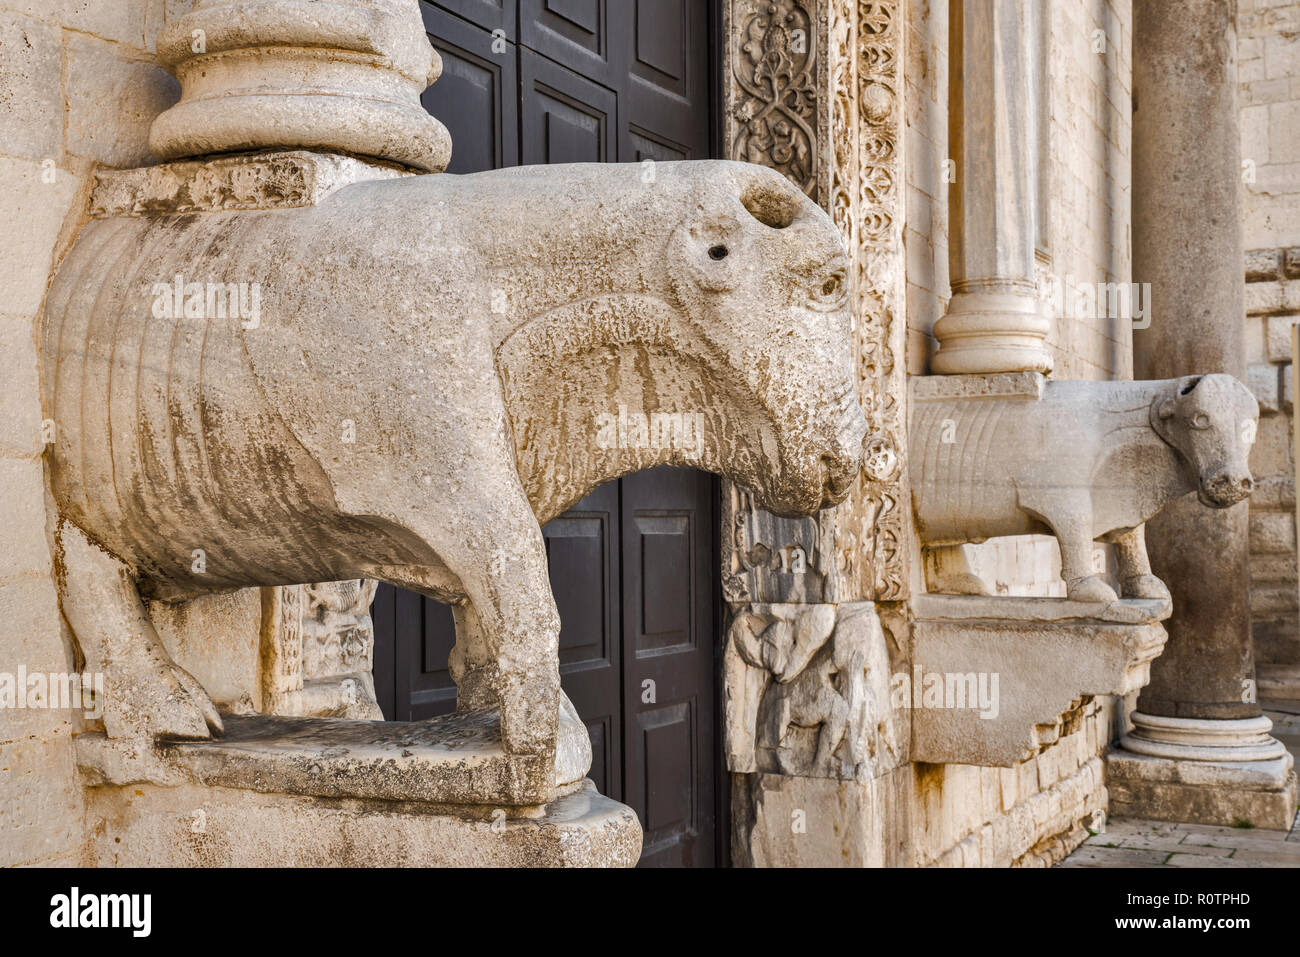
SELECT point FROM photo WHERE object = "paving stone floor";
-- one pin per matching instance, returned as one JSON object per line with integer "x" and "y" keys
{"x": 1135, "y": 843}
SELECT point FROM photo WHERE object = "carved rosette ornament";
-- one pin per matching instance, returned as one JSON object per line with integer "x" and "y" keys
{"x": 814, "y": 90}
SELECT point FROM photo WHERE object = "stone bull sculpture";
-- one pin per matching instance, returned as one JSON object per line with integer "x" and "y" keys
{"x": 421, "y": 390}
{"x": 1086, "y": 461}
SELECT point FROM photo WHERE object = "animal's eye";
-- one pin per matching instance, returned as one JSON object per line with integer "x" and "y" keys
{"x": 718, "y": 252}
{"x": 1200, "y": 421}
{"x": 829, "y": 294}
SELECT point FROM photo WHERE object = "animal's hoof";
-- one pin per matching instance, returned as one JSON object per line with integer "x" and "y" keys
{"x": 1145, "y": 586}
{"x": 964, "y": 583}
{"x": 529, "y": 717}
{"x": 184, "y": 709}
{"x": 1091, "y": 589}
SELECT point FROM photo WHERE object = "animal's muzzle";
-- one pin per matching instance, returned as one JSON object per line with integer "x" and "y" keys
{"x": 1226, "y": 488}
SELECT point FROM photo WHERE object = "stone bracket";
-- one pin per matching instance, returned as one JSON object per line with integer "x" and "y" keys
{"x": 1032, "y": 658}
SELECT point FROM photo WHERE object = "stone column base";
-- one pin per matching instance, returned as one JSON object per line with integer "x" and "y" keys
{"x": 1201, "y": 771}
{"x": 991, "y": 331}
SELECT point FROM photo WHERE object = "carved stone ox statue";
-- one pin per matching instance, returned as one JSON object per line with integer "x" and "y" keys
{"x": 424, "y": 385}
{"x": 1086, "y": 461}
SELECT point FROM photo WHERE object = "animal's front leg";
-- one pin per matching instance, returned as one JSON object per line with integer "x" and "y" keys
{"x": 1074, "y": 535}
{"x": 507, "y": 638}
{"x": 1136, "y": 580}
{"x": 779, "y": 728}
{"x": 147, "y": 695}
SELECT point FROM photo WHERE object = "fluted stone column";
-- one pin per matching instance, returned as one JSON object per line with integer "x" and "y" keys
{"x": 1200, "y": 749}
{"x": 993, "y": 322}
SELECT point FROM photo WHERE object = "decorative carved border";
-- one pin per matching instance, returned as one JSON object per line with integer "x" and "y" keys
{"x": 825, "y": 108}
{"x": 772, "y": 88}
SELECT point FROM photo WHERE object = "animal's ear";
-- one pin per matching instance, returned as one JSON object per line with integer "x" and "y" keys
{"x": 1166, "y": 409}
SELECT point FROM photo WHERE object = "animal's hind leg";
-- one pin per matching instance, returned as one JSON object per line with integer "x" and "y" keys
{"x": 835, "y": 722}
{"x": 507, "y": 638}
{"x": 147, "y": 695}
{"x": 1135, "y": 575}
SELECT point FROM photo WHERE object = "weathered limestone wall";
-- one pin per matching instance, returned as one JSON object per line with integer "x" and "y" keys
{"x": 1268, "y": 54}
{"x": 80, "y": 89}
{"x": 1268, "y": 47}
{"x": 1086, "y": 178}
{"x": 1030, "y": 815}
{"x": 1272, "y": 309}
{"x": 925, "y": 234}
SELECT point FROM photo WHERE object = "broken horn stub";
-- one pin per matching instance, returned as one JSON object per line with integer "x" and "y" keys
{"x": 342, "y": 75}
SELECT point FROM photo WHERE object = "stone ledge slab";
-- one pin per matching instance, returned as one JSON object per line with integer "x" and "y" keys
{"x": 453, "y": 759}
{"x": 1025, "y": 385}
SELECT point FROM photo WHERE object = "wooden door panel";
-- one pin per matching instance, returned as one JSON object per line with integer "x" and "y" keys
{"x": 669, "y": 771}
{"x": 488, "y": 14}
{"x": 669, "y": 588}
{"x": 583, "y": 559}
{"x": 565, "y": 118}
{"x": 413, "y": 637}
{"x": 660, "y": 43}
{"x": 432, "y": 692}
{"x": 580, "y": 35}
{"x": 476, "y": 97}
{"x": 664, "y": 110}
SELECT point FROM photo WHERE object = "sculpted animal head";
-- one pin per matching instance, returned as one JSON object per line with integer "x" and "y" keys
{"x": 1210, "y": 420}
{"x": 760, "y": 273}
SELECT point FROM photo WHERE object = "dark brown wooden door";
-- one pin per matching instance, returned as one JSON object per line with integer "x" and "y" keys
{"x": 633, "y": 566}
{"x": 669, "y": 625}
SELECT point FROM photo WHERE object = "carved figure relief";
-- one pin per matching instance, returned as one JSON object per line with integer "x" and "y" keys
{"x": 318, "y": 647}
{"x": 806, "y": 690}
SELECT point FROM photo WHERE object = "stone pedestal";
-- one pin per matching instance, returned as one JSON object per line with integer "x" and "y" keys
{"x": 313, "y": 792}
{"x": 1224, "y": 772}
{"x": 200, "y": 826}
{"x": 993, "y": 322}
{"x": 784, "y": 821}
